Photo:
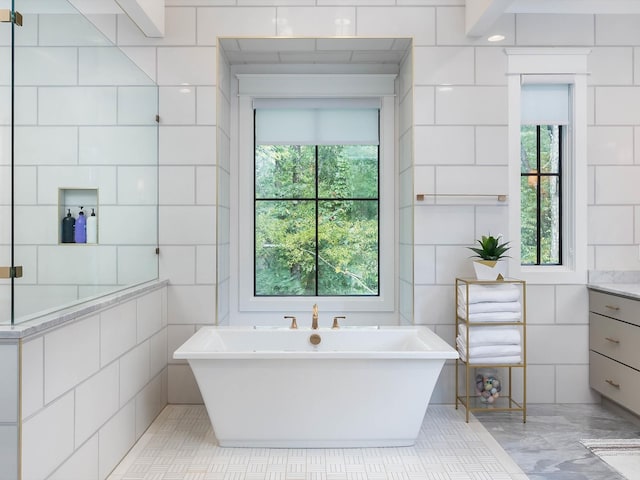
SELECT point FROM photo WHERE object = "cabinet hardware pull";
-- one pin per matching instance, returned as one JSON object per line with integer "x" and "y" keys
{"x": 612, "y": 383}
{"x": 612, "y": 307}
{"x": 612, "y": 340}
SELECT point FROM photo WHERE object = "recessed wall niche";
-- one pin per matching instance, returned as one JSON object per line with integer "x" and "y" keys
{"x": 72, "y": 200}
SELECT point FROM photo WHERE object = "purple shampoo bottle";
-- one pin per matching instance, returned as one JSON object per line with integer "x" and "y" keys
{"x": 80, "y": 233}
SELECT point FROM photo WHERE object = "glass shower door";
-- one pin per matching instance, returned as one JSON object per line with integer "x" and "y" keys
{"x": 85, "y": 136}
{"x": 8, "y": 272}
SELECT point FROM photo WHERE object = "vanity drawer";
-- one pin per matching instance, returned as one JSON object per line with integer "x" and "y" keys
{"x": 624, "y": 309}
{"x": 614, "y": 339}
{"x": 615, "y": 381}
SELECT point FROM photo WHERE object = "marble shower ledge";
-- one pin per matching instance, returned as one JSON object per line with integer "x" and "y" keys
{"x": 60, "y": 317}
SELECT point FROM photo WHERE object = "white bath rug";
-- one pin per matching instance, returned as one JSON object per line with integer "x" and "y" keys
{"x": 621, "y": 454}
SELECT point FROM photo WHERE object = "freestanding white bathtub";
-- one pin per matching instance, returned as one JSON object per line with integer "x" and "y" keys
{"x": 360, "y": 387}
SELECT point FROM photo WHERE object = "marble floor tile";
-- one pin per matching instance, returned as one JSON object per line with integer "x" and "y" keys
{"x": 548, "y": 445}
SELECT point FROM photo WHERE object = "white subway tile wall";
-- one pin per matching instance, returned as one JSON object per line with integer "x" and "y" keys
{"x": 459, "y": 222}
{"x": 464, "y": 105}
{"x": 617, "y": 105}
{"x": 83, "y": 464}
{"x": 32, "y": 376}
{"x": 134, "y": 374}
{"x": 491, "y": 65}
{"x": 316, "y": 21}
{"x": 91, "y": 388}
{"x": 406, "y": 253}
{"x": 559, "y": 30}
{"x": 611, "y": 225}
{"x": 117, "y": 332}
{"x": 397, "y": 22}
{"x": 9, "y": 362}
{"x": 116, "y": 437}
{"x": 445, "y": 144}
{"x": 570, "y": 388}
{"x": 610, "y": 145}
{"x": 610, "y": 66}
{"x": 617, "y": 30}
{"x": 443, "y": 65}
{"x": 540, "y": 304}
{"x": 48, "y": 437}
{"x": 67, "y": 367}
{"x": 571, "y": 304}
{"x": 96, "y": 400}
{"x": 38, "y": 145}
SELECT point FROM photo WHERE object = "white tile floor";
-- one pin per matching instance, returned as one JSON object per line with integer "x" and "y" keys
{"x": 180, "y": 445}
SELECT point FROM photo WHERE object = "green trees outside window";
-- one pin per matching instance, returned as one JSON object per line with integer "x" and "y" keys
{"x": 541, "y": 194}
{"x": 316, "y": 212}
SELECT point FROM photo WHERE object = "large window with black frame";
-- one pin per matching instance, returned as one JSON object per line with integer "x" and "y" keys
{"x": 316, "y": 204}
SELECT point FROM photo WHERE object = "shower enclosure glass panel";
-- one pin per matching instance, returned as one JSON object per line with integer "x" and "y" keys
{"x": 85, "y": 139}
{"x": 7, "y": 32}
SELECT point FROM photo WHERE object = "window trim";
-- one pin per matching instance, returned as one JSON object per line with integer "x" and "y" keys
{"x": 243, "y": 284}
{"x": 548, "y": 65}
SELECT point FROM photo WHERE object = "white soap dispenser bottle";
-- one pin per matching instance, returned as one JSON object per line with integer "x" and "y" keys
{"x": 92, "y": 227}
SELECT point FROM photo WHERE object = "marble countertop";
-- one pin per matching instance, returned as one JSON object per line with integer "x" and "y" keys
{"x": 629, "y": 290}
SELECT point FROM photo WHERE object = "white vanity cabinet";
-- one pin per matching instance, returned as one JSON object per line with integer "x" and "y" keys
{"x": 614, "y": 347}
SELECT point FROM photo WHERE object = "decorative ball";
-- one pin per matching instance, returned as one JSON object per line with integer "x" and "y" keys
{"x": 488, "y": 386}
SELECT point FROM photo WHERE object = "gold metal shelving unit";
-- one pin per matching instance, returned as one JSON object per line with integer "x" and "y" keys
{"x": 504, "y": 403}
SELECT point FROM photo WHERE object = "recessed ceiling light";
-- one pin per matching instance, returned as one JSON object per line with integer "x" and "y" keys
{"x": 496, "y": 38}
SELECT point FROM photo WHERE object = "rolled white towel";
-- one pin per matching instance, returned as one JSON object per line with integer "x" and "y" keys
{"x": 491, "y": 316}
{"x": 485, "y": 307}
{"x": 500, "y": 335}
{"x": 488, "y": 351}
{"x": 489, "y": 293}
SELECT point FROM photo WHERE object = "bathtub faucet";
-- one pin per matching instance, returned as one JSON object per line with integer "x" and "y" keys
{"x": 314, "y": 317}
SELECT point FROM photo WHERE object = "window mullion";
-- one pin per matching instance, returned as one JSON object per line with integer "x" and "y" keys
{"x": 538, "y": 199}
{"x": 317, "y": 265}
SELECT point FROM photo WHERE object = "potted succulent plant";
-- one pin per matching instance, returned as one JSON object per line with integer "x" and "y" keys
{"x": 490, "y": 252}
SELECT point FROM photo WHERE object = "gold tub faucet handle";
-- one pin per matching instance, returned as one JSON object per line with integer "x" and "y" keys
{"x": 294, "y": 324}
{"x": 335, "y": 321}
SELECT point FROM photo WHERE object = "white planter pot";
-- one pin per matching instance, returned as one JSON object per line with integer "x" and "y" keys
{"x": 490, "y": 269}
